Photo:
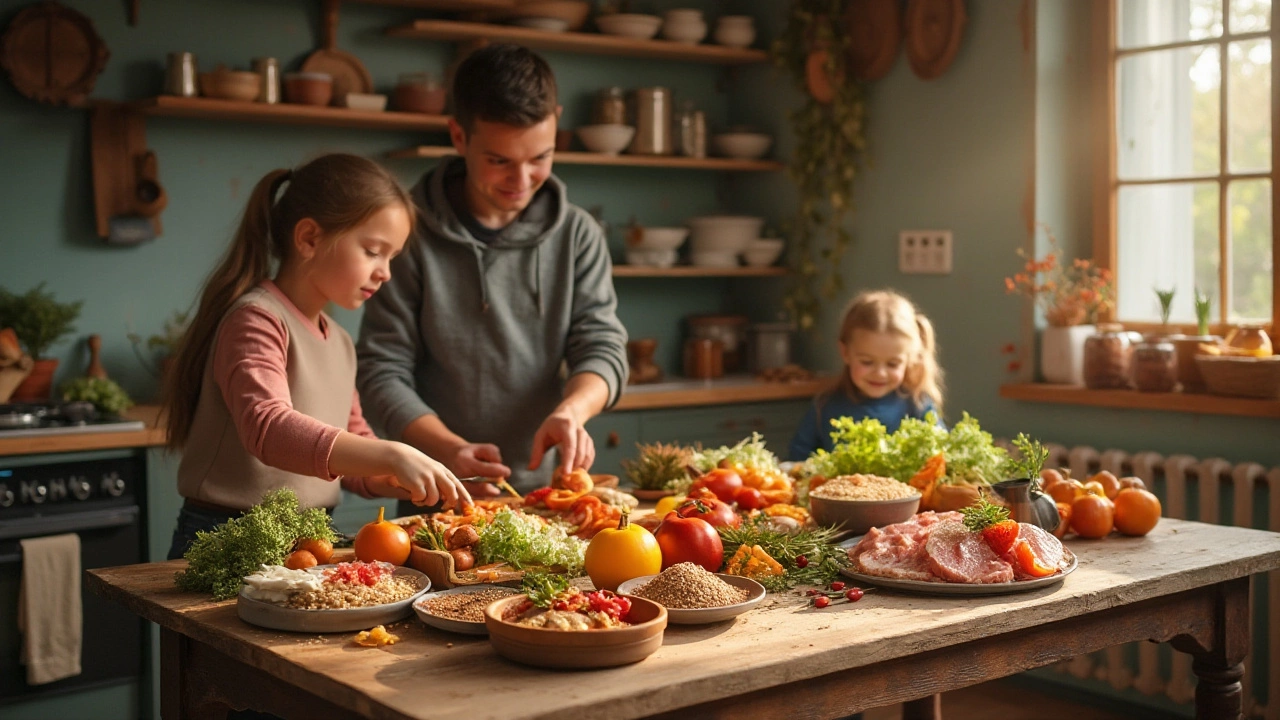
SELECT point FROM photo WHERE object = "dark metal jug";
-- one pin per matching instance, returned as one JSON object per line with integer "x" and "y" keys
{"x": 1027, "y": 505}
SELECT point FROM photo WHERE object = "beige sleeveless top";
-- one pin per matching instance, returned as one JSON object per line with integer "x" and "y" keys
{"x": 216, "y": 468}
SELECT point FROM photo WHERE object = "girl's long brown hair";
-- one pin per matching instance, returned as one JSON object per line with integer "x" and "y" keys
{"x": 337, "y": 191}
{"x": 887, "y": 311}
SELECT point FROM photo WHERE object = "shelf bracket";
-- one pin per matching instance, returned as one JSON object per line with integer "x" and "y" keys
{"x": 127, "y": 195}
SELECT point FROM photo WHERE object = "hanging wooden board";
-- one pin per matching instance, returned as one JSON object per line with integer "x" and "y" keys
{"x": 875, "y": 32}
{"x": 934, "y": 29}
{"x": 52, "y": 54}
{"x": 349, "y": 74}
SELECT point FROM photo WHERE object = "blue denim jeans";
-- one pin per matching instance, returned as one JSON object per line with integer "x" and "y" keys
{"x": 190, "y": 521}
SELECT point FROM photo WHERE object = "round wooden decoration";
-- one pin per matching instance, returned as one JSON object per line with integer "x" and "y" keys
{"x": 875, "y": 32}
{"x": 933, "y": 32}
{"x": 817, "y": 81}
{"x": 52, "y": 54}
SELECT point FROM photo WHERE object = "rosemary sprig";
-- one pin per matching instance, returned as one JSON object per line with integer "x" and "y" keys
{"x": 1032, "y": 455}
{"x": 822, "y": 558}
{"x": 983, "y": 514}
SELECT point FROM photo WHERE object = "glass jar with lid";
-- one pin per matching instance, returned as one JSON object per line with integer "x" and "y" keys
{"x": 610, "y": 107}
{"x": 1108, "y": 355}
{"x": 419, "y": 92}
{"x": 1155, "y": 366}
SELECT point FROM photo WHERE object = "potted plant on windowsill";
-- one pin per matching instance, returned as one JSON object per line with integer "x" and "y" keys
{"x": 39, "y": 322}
{"x": 1071, "y": 296}
{"x": 1188, "y": 345}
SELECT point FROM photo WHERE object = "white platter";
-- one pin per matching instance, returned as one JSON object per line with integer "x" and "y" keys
{"x": 704, "y": 616}
{"x": 448, "y": 624}
{"x": 279, "y": 617}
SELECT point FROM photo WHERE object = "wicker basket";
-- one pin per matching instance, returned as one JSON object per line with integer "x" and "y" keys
{"x": 1241, "y": 376}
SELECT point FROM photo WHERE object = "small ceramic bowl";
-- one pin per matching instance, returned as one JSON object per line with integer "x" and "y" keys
{"x": 731, "y": 35}
{"x": 543, "y": 648}
{"x": 859, "y": 516}
{"x": 652, "y": 258}
{"x": 368, "y": 102}
{"x": 227, "y": 84}
{"x": 714, "y": 259}
{"x": 763, "y": 251}
{"x": 742, "y": 145}
{"x": 705, "y": 616}
{"x": 308, "y": 88}
{"x": 606, "y": 139}
{"x": 688, "y": 32}
{"x": 632, "y": 25}
{"x": 661, "y": 238}
{"x": 549, "y": 24}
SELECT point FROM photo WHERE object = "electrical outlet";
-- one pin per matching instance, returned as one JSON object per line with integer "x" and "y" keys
{"x": 924, "y": 252}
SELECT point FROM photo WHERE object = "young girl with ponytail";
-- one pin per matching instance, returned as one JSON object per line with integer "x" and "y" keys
{"x": 261, "y": 395}
{"x": 890, "y": 371}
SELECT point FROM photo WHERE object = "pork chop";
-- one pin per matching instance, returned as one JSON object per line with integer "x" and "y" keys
{"x": 897, "y": 551}
{"x": 957, "y": 554}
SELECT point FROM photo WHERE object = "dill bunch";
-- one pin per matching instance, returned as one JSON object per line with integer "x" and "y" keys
{"x": 264, "y": 535}
{"x": 823, "y": 557}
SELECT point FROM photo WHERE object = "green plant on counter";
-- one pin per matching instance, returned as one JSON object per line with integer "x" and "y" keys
{"x": 106, "y": 395}
{"x": 1166, "y": 303}
{"x": 37, "y": 318}
{"x": 165, "y": 343}
{"x": 830, "y": 144}
{"x": 1202, "y": 312}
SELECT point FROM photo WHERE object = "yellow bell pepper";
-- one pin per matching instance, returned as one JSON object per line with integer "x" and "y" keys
{"x": 668, "y": 504}
{"x": 616, "y": 556}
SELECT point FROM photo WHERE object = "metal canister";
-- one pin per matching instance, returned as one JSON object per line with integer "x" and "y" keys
{"x": 651, "y": 117}
{"x": 180, "y": 75}
{"x": 269, "y": 69}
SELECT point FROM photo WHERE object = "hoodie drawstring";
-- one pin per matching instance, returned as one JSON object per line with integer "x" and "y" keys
{"x": 484, "y": 288}
{"x": 537, "y": 276}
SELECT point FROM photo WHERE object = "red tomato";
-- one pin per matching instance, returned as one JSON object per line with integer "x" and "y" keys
{"x": 713, "y": 511}
{"x": 724, "y": 482}
{"x": 749, "y": 498}
{"x": 689, "y": 540}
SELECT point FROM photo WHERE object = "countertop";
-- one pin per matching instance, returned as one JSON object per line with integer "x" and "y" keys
{"x": 150, "y": 436}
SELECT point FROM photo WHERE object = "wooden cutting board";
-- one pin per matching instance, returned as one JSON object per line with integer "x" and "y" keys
{"x": 53, "y": 54}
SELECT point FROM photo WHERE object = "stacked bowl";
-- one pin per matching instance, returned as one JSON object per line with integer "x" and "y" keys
{"x": 718, "y": 240}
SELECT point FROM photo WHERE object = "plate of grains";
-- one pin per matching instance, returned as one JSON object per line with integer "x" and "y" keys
{"x": 342, "y": 598}
{"x": 693, "y": 596}
{"x": 460, "y": 609}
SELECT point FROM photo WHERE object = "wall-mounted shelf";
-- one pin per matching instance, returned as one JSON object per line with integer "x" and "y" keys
{"x": 577, "y": 42}
{"x": 688, "y": 271}
{"x": 1134, "y": 400}
{"x": 444, "y": 5}
{"x": 434, "y": 152}
{"x": 286, "y": 113}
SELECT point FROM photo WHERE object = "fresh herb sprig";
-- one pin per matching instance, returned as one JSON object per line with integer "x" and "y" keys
{"x": 809, "y": 556}
{"x": 1030, "y": 461}
{"x": 542, "y": 587}
{"x": 983, "y": 514}
{"x": 430, "y": 537}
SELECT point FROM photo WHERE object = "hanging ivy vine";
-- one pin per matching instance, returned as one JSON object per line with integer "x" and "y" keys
{"x": 829, "y": 150}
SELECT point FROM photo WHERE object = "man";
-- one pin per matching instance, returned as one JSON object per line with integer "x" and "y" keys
{"x": 505, "y": 282}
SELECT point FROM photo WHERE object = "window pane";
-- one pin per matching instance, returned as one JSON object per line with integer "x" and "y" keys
{"x": 1251, "y": 261}
{"x": 1167, "y": 238}
{"x": 1249, "y": 105}
{"x": 1250, "y": 15}
{"x": 1156, "y": 22}
{"x": 1167, "y": 113}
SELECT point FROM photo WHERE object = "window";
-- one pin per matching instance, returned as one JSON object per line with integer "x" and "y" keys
{"x": 1191, "y": 193}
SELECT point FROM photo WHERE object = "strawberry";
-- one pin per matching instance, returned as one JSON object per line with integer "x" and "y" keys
{"x": 1001, "y": 536}
{"x": 1029, "y": 562}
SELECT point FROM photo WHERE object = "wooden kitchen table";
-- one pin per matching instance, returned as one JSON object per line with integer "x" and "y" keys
{"x": 1187, "y": 583}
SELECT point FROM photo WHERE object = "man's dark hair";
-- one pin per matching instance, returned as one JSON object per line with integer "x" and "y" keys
{"x": 503, "y": 83}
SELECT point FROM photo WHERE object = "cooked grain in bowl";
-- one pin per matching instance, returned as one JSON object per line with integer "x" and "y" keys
{"x": 687, "y": 586}
{"x": 863, "y": 487}
{"x": 465, "y": 606}
{"x": 341, "y": 595}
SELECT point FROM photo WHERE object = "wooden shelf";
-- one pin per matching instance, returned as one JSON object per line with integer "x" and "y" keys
{"x": 579, "y": 42}
{"x": 444, "y": 5}
{"x": 151, "y": 436}
{"x": 1134, "y": 400}
{"x": 287, "y": 113}
{"x": 688, "y": 271}
{"x": 690, "y": 393}
{"x": 433, "y": 152}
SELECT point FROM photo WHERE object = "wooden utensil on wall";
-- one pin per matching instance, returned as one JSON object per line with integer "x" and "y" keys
{"x": 52, "y": 54}
{"x": 934, "y": 29}
{"x": 349, "y": 74}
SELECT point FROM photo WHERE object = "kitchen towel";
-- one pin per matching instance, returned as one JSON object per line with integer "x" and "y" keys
{"x": 50, "y": 616}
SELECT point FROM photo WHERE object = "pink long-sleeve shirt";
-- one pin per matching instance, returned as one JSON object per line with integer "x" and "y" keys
{"x": 249, "y": 361}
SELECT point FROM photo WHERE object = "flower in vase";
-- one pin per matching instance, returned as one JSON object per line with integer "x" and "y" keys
{"x": 1069, "y": 294}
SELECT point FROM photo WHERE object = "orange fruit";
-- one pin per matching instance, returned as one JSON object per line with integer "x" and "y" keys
{"x": 1132, "y": 482}
{"x": 1093, "y": 487}
{"x": 1066, "y": 491}
{"x": 319, "y": 547}
{"x": 1092, "y": 516}
{"x": 1049, "y": 476}
{"x": 1064, "y": 520}
{"x": 1137, "y": 511}
{"x": 382, "y": 540}
{"x": 1110, "y": 483}
{"x": 300, "y": 560}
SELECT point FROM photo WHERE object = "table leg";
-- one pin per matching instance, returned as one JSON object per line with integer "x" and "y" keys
{"x": 927, "y": 708}
{"x": 1218, "y": 650}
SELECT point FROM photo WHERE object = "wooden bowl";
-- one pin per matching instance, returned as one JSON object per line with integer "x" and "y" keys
{"x": 565, "y": 649}
{"x": 226, "y": 84}
{"x": 859, "y": 516}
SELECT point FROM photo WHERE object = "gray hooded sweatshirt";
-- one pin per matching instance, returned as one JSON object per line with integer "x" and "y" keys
{"x": 477, "y": 334}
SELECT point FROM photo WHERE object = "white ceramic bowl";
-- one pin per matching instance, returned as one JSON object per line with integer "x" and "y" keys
{"x": 652, "y": 258}
{"x": 661, "y": 238}
{"x": 704, "y": 616}
{"x": 684, "y": 15}
{"x": 606, "y": 139}
{"x": 688, "y": 32}
{"x": 632, "y": 25}
{"x": 742, "y": 145}
{"x": 763, "y": 251}
{"x": 723, "y": 233}
{"x": 714, "y": 259}
{"x": 738, "y": 35}
{"x": 548, "y": 24}
{"x": 369, "y": 102}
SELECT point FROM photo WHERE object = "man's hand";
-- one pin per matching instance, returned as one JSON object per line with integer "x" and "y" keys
{"x": 562, "y": 429}
{"x": 479, "y": 459}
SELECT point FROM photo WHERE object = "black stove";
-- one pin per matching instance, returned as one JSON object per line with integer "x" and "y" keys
{"x": 59, "y": 418}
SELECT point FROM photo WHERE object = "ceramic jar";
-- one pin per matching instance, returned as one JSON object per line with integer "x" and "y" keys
{"x": 419, "y": 92}
{"x": 737, "y": 31}
{"x": 729, "y": 330}
{"x": 308, "y": 88}
{"x": 684, "y": 26}
{"x": 1062, "y": 353}
{"x": 1155, "y": 367}
{"x": 703, "y": 358}
{"x": 1108, "y": 357}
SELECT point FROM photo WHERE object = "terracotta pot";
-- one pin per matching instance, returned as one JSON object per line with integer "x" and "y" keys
{"x": 1188, "y": 371}
{"x": 38, "y": 385}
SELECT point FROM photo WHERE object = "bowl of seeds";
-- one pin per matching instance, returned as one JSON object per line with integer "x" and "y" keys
{"x": 693, "y": 596}
{"x": 460, "y": 609}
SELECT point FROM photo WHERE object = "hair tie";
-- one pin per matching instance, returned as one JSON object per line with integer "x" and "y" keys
{"x": 286, "y": 176}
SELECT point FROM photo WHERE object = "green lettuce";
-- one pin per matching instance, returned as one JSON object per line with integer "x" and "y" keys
{"x": 866, "y": 447}
{"x": 523, "y": 540}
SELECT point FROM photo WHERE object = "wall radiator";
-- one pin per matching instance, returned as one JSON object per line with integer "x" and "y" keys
{"x": 1214, "y": 491}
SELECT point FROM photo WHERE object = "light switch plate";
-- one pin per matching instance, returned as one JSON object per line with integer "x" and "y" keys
{"x": 924, "y": 252}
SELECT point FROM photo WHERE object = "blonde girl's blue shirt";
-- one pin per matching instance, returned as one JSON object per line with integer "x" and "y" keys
{"x": 815, "y": 429}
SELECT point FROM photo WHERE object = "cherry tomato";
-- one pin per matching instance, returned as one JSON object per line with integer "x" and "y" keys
{"x": 802, "y": 561}
{"x": 853, "y": 594}
{"x": 713, "y": 511}
{"x": 749, "y": 498}
{"x": 821, "y": 601}
{"x": 724, "y": 482}
{"x": 837, "y": 586}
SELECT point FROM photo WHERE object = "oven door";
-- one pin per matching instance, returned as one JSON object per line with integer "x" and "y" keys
{"x": 113, "y": 637}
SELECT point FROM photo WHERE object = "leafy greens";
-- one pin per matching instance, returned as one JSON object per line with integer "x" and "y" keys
{"x": 522, "y": 540}
{"x": 866, "y": 447}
